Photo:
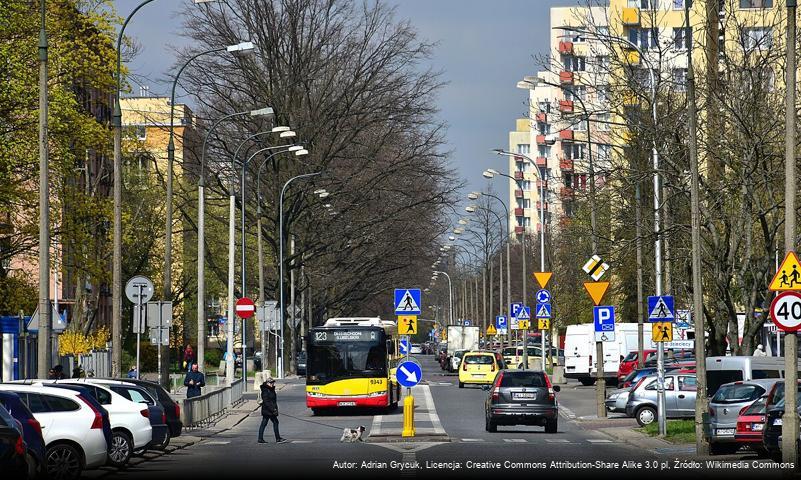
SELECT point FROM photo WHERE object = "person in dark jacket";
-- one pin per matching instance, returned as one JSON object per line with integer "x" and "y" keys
{"x": 194, "y": 381}
{"x": 269, "y": 410}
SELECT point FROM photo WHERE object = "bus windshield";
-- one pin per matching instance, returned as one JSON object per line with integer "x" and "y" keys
{"x": 346, "y": 353}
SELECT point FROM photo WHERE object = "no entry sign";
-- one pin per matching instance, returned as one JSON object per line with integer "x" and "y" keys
{"x": 245, "y": 308}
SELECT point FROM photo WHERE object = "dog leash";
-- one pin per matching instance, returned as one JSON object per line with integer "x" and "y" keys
{"x": 312, "y": 421}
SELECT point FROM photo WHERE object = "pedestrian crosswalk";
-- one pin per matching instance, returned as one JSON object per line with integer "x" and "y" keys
{"x": 563, "y": 441}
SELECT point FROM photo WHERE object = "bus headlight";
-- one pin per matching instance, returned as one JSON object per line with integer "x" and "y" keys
{"x": 376, "y": 394}
{"x": 314, "y": 394}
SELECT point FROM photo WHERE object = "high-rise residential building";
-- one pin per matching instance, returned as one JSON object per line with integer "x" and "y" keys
{"x": 559, "y": 99}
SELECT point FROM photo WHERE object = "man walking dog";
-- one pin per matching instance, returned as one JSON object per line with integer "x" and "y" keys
{"x": 269, "y": 410}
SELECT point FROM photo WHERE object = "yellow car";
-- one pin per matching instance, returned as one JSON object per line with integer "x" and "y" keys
{"x": 478, "y": 368}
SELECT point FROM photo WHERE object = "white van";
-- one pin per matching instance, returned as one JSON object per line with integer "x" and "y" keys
{"x": 580, "y": 362}
{"x": 720, "y": 370}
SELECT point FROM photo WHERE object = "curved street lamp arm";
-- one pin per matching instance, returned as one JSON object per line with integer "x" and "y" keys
{"x": 202, "y": 177}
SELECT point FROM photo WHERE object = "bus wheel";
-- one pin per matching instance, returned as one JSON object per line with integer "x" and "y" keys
{"x": 393, "y": 406}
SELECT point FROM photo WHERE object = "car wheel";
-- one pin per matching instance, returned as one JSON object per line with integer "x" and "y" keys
{"x": 645, "y": 415}
{"x": 121, "y": 449}
{"x": 63, "y": 462}
{"x": 490, "y": 426}
{"x": 163, "y": 445}
{"x": 587, "y": 381}
{"x": 34, "y": 469}
{"x": 461, "y": 385}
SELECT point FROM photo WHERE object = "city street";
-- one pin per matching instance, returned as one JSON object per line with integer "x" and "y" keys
{"x": 579, "y": 447}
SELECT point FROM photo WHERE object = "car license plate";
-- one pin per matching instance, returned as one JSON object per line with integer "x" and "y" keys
{"x": 524, "y": 396}
{"x": 757, "y": 427}
{"x": 725, "y": 431}
{"x": 777, "y": 421}
{"x": 346, "y": 404}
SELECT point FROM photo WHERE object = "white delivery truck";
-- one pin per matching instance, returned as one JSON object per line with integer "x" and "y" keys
{"x": 462, "y": 338}
{"x": 580, "y": 351}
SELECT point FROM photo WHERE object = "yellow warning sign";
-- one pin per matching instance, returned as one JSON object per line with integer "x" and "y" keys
{"x": 523, "y": 324}
{"x": 662, "y": 332}
{"x": 444, "y": 335}
{"x": 543, "y": 278}
{"x": 788, "y": 277}
{"x": 543, "y": 324}
{"x": 491, "y": 330}
{"x": 597, "y": 290}
{"x": 407, "y": 324}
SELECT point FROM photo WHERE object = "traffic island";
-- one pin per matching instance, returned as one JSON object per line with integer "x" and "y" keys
{"x": 427, "y": 427}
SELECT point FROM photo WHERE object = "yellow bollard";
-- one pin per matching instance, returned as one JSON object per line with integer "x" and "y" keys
{"x": 408, "y": 416}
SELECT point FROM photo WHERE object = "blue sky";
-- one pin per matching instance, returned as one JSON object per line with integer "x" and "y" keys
{"x": 485, "y": 47}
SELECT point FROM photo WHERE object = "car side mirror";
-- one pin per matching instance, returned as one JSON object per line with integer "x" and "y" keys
{"x": 557, "y": 388}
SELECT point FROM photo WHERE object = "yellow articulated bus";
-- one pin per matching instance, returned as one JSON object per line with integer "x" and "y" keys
{"x": 351, "y": 363}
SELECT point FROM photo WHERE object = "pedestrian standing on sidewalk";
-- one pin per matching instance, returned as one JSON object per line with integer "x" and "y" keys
{"x": 269, "y": 410}
{"x": 193, "y": 382}
{"x": 189, "y": 357}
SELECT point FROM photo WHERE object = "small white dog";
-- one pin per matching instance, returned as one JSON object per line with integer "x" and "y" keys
{"x": 352, "y": 435}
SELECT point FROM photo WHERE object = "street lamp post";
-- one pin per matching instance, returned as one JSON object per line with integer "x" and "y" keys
{"x": 530, "y": 82}
{"x": 450, "y": 294}
{"x": 201, "y": 236}
{"x": 281, "y": 265}
{"x": 661, "y": 401}
{"x": 44, "y": 342}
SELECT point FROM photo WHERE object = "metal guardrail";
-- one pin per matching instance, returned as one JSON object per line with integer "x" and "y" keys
{"x": 206, "y": 409}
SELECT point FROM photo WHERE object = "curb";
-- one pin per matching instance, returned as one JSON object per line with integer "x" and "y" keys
{"x": 640, "y": 440}
{"x": 382, "y": 438}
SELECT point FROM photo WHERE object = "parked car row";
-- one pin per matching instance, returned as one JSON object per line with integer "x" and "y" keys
{"x": 67, "y": 426}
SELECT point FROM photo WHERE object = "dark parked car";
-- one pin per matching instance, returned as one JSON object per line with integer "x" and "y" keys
{"x": 31, "y": 431}
{"x": 774, "y": 408}
{"x": 302, "y": 363}
{"x": 171, "y": 407}
{"x": 13, "y": 451}
{"x": 522, "y": 397}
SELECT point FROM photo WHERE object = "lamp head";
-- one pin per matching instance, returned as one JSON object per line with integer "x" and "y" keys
{"x": 295, "y": 148}
{"x": 473, "y": 195}
{"x": 262, "y": 112}
{"x": 287, "y": 134}
{"x": 244, "y": 47}
{"x": 470, "y": 208}
{"x": 301, "y": 152}
{"x": 488, "y": 174}
{"x": 280, "y": 129}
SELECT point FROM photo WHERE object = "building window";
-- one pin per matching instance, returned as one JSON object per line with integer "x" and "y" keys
{"x": 645, "y": 38}
{"x": 680, "y": 79}
{"x": 604, "y": 152}
{"x": 544, "y": 107}
{"x": 573, "y": 151}
{"x": 568, "y": 179}
{"x": 526, "y": 184}
{"x": 645, "y": 4}
{"x": 523, "y": 202}
{"x": 577, "y": 36}
{"x": 521, "y": 166}
{"x": 602, "y": 62}
{"x": 756, "y": 3}
{"x": 757, "y": 38}
{"x": 603, "y": 121}
{"x": 579, "y": 125}
{"x": 602, "y": 31}
{"x": 523, "y": 148}
{"x": 576, "y": 93}
{"x": 542, "y": 151}
{"x": 523, "y": 221}
{"x": 602, "y": 93}
{"x": 574, "y": 64}
{"x": 682, "y": 38}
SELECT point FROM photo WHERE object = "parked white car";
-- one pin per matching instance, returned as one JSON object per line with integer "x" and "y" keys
{"x": 71, "y": 428}
{"x": 130, "y": 421}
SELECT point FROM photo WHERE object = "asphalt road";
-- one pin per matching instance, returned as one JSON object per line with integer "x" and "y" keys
{"x": 578, "y": 449}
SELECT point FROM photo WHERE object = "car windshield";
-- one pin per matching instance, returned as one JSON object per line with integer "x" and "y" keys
{"x": 630, "y": 357}
{"x": 479, "y": 359}
{"x": 632, "y": 374}
{"x": 460, "y": 353}
{"x": 738, "y": 392}
{"x": 338, "y": 354}
{"x": 756, "y": 408}
{"x": 509, "y": 351}
{"x": 523, "y": 379}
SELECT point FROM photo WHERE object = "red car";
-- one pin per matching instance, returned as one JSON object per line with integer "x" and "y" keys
{"x": 629, "y": 363}
{"x": 750, "y": 425}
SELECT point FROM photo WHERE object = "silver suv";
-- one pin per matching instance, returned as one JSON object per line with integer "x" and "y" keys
{"x": 680, "y": 391}
{"x": 724, "y": 408}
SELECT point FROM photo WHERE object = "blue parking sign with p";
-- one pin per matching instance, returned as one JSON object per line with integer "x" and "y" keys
{"x": 500, "y": 321}
{"x": 604, "y": 316}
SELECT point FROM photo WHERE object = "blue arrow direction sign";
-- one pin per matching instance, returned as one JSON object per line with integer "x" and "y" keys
{"x": 660, "y": 309}
{"x": 604, "y": 316}
{"x": 408, "y": 301}
{"x": 543, "y": 310}
{"x": 403, "y": 346}
{"x": 409, "y": 374}
{"x": 466, "y": 323}
{"x": 543, "y": 296}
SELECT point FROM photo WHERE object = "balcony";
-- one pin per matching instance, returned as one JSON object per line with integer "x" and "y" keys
{"x": 566, "y": 106}
{"x": 566, "y": 193}
{"x": 539, "y": 206}
{"x": 566, "y": 135}
{"x": 519, "y": 230}
{"x": 566, "y": 77}
{"x": 566, "y": 48}
{"x": 518, "y": 193}
{"x": 541, "y": 184}
{"x": 542, "y": 117}
{"x": 541, "y": 161}
{"x": 518, "y": 175}
{"x": 540, "y": 139}
{"x": 518, "y": 212}
{"x": 631, "y": 16}
{"x": 566, "y": 164}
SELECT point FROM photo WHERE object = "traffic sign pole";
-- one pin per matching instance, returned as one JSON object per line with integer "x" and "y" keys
{"x": 139, "y": 330}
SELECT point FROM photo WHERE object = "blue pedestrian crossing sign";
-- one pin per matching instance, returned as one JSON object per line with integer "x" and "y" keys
{"x": 407, "y": 301}
{"x": 543, "y": 310}
{"x": 524, "y": 313}
{"x": 660, "y": 309}
{"x": 409, "y": 374}
{"x": 403, "y": 346}
{"x": 543, "y": 296}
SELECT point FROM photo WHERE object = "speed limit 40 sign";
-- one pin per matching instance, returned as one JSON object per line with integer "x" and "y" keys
{"x": 785, "y": 310}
